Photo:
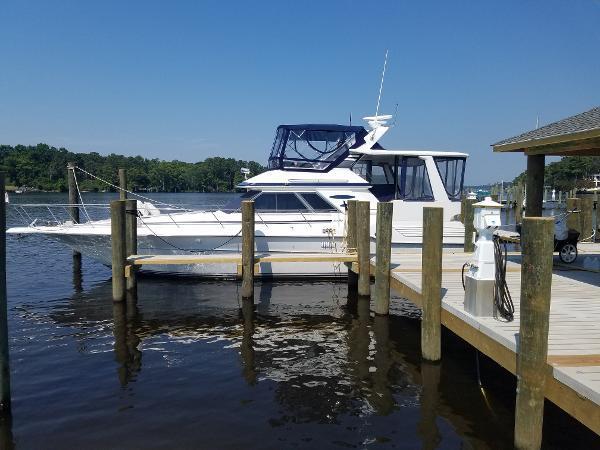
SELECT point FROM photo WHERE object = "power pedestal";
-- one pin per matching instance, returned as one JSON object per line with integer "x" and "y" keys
{"x": 480, "y": 280}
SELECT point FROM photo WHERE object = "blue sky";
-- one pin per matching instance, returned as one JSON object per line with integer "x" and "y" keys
{"x": 193, "y": 79}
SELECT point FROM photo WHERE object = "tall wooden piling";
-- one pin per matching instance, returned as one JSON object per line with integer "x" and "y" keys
{"x": 469, "y": 245}
{"x": 247, "y": 249}
{"x": 73, "y": 210}
{"x": 351, "y": 240}
{"x": 119, "y": 251}
{"x": 586, "y": 216}
{"x": 431, "y": 273}
{"x": 519, "y": 195}
{"x": 131, "y": 241}
{"x": 597, "y": 216}
{"x": 535, "y": 185}
{"x": 4, "y": 355}
{"x": 383, "y": 254}
{"x": 537, "y": 241}
{"x": 574, "y": 217}
{"x": 122, "y": 184}
{"x": 363, "y": 244}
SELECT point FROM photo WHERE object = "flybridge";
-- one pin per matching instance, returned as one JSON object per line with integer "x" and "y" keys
{"x": 314, "y": 147}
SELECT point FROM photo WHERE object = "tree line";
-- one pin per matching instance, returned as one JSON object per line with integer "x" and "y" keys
{"x": 571, "y": 172}
{"x": 45, "y": 168}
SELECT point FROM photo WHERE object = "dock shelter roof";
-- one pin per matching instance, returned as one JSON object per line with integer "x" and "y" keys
{"x": 577, "y": 135}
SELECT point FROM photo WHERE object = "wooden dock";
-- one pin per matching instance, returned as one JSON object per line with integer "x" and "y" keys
{"x": 573, "y": 363}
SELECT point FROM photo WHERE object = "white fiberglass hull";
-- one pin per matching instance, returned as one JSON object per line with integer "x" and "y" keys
{"x": 201, "y": 233}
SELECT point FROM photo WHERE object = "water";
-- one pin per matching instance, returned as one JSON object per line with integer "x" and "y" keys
{"x": 190, "y": 367}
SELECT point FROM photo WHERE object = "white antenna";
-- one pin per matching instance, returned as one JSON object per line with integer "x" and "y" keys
{"x": 381, "y": 85}
{"x": 537, "y": 122}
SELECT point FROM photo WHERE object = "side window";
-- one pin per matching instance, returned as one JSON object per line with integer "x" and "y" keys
{"x": 278, "y": 202}
{"x": 451, "y": 172}
{"x": 317, "y": 202}
{"x": 415, "y": 183}
{"x": 265, "y": 202}
{"x": 289, "y": 202}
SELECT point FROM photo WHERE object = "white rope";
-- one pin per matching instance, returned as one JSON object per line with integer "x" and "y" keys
{"x": 129, "y": 192}
{"x": 81, "y": 198}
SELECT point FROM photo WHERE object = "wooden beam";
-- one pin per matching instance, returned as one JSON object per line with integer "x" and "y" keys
{"x": 535, "y": 185}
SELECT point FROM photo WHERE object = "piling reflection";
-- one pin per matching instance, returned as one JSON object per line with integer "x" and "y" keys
{"x": 77, "y": 273}
{"x": 126, "y": 344}
{"x": 6, "y": 435}
{"x": 247, "y": 346}
{"x": 427, "y": 428}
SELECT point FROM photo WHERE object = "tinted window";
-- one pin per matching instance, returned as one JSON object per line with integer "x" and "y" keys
{"x": 278, "y": 202}
{"x": 236, "y": 203}
{"x": 414, "y": 180}
{"x": 451, "y": 172}
{"x": 317, "y": 202}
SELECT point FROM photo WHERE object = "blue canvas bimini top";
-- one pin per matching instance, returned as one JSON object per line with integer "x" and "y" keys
{"x": 314, "y": 147}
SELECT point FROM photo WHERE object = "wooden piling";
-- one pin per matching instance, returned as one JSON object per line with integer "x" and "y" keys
{"x": 131, "y": 241}
{"x": 431, "y": 273}
{"x": 586, "y": 215}
{"x": 574, "y": 218}
{"x": 4, "y": 355}
{"x": 73, "y": 210}
{"x": 519, "y": 203}
{"x": 351, "y": 241}
{"x": 535, "y": 185}
{"x": 123, "y": 184}
{"x": 597, "y": 224}
{"x": 247, "y": 249}
{"x": 363, "y": 244}
{"x": 119, "y": 253}
{"x": 381, "y": 290}
{"x": 469, "y": 245}
{"x": 537, "y": 241}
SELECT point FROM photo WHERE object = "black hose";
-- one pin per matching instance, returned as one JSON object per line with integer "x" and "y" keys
{"x": 502, "y": 297}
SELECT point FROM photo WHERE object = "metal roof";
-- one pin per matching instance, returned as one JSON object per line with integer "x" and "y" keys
{"x": 575, "y": 125}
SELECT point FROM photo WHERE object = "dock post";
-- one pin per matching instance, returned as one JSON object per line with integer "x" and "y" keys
{"x": 4, "y": 355}
{"x": 351, "y": 241}
{"x": 469, "y": 245}
{"x": 248, "y": 249}
{"x": 383, "y": 254}
{"x": 574, "y": 219}
{"x": 519, "y": 204}
{"x": 122, "y": 184}
{"x": 535, "y": 185}
{"x": 537, "y": 242}
{"x": 586, "y": 216}
{"x": 363, "y": 244}
{"x": 597, "y": 215}
{"x": 131, "y": 242}
{"x": 73, "y": 210}
{"x": 431, "y": 282}
{"x": 117, "y": 237}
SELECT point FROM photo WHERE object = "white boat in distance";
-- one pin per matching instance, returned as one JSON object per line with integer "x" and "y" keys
{"x": 299, "y": 202}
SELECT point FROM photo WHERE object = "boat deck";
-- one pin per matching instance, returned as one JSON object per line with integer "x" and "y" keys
{"x": 573, "y": 381}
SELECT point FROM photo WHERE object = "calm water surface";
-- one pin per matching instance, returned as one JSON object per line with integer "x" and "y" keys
{"x": 190, "y": 366}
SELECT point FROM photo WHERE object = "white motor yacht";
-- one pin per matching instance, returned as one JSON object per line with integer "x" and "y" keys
{"x": 300, "y": 201}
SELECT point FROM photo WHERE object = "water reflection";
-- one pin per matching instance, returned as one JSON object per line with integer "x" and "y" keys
{"x": 309, "y": 359}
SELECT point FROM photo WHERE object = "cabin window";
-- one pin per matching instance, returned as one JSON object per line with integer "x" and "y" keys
{"x": 236, "y": 203}
{"x": 316, "y": 202}
{"x": 275, "y": 202}
{"x": 452, "y": 171}
{"x": 413, "y": 180}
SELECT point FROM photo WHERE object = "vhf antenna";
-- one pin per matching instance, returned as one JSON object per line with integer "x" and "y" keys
{"x": 381, "y": 85}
